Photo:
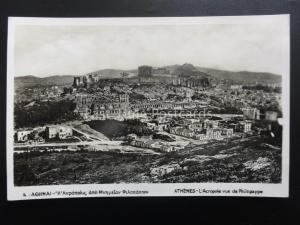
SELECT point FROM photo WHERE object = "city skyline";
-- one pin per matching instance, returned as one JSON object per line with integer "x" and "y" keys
{"x": 240, "y": 47}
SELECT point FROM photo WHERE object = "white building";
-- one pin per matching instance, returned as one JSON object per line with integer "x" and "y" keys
{"x": 22, "y": 135}
{"x": 244, "y": 126}
{"x": 61, "y": 132}
{"x": 271, "y": 115}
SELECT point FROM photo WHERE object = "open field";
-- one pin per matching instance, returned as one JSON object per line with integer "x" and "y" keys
{"x": 237, "y": 160}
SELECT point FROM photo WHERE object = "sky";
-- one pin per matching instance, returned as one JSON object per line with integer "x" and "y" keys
{"x": 74, "y": 50}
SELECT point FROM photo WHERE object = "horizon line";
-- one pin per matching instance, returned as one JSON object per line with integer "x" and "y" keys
{"x": 211, "y": 68}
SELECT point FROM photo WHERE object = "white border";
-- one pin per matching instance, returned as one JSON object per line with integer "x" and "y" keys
{"x": 269, "y": 190}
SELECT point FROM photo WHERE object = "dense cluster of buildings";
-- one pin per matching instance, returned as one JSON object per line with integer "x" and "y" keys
{"x": 164, "y": 102}
{"x": 99, "y": 108}
{"x": 167, "y": 105}
{"x": 117, "y": 109}
{"x": 156, "y": 144}
{"x": 237, "y": 97}
{"x": 201, "y": 130}
{"x": 46, "y": 93}
{"x": 206, "y": 130}
{"x": 88, "y": 104}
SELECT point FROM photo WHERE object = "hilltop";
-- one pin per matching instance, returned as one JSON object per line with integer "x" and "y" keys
{"x": 235, "y": 76}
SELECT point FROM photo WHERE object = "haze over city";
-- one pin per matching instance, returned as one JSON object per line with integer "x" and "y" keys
{"x": 72, "y": 50}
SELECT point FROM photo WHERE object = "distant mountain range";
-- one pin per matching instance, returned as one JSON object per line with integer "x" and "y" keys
{"x": 242, "y": 76}
{"x": 113, "y": 73}
{"x": 185, "y": 70}
{"x": 31, "y": 81}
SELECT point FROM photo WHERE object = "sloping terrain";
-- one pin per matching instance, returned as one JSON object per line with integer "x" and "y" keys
{"x": 31, "y": 81}
{"x": 236, "y": 161}
{"x": 242, "y": 76}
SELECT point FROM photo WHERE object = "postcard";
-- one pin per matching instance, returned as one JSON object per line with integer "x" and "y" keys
{"x": 156, "y": 106}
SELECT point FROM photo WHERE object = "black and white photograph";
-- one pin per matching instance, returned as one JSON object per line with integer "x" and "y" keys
{"x": 190, "y": 106}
